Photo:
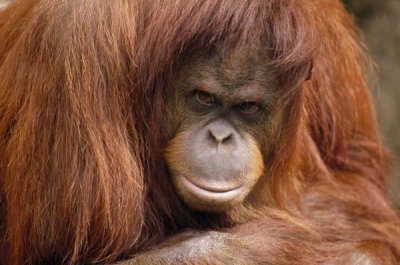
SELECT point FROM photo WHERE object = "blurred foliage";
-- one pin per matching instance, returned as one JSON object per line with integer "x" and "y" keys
{"x": 362, "y": 8}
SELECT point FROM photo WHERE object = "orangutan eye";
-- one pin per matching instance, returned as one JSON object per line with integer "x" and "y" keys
{"x": 205, "y": 98}
{"x": 249, "y": 108}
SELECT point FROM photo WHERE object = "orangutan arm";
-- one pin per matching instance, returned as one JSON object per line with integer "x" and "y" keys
{"x": 278, "y": 239}
{"x": 263, "y": 242}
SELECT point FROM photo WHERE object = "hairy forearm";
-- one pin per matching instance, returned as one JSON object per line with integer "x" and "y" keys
{"x": 205, "y": 248}
{"x": 264, "y": 242}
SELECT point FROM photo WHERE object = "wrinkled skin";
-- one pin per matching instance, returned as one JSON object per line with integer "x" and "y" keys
{"x": 223, "y": 120}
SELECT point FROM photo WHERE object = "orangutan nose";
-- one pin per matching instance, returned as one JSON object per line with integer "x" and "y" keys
{"x": 221, "y": 132}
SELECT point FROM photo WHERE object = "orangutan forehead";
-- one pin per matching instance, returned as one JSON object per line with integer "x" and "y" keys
{"x": 241, "y": 63}
{"x": 231, "y": 67}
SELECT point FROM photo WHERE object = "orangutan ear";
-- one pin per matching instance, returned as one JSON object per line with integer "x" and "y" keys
{"x": 310, "y": 71}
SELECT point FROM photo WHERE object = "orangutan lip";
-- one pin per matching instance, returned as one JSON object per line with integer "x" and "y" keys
{"x": 212, "y": 189}
{"x": 212, "y": 193}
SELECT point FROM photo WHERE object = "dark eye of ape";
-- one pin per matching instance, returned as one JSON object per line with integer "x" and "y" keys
{"x": 249, "y": 108}
{"x": 204, "y": 98}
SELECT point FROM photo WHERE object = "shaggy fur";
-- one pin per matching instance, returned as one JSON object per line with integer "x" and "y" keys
{"x": 82, "y": 89}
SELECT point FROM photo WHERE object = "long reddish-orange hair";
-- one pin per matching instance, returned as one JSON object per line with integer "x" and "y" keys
{"x": 82, "y": 94}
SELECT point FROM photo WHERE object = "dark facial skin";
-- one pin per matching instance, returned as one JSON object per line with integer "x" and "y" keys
{"x": 222, "y": 122}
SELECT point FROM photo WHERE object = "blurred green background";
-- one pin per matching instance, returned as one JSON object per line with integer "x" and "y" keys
{"x": 379, "y": 22}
